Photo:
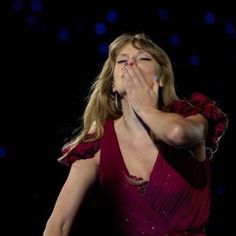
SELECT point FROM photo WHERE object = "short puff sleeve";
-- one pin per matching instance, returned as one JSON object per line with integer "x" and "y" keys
{"x": 217, "y": 119}
{"x": 83, "y": 150}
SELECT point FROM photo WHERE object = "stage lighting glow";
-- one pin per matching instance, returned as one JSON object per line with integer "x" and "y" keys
{"x": 100, "y": 28}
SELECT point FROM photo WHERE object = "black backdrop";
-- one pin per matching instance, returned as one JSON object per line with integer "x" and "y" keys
{"x": 45, "y": 79}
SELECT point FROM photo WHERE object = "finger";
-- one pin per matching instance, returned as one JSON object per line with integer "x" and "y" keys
{"x": 129, "y": 69}
{"x": 155, "y": 89}
{"x": 127, "y": 85}
{"x": 127, "y": 75}
{"x": 139, "y": 76}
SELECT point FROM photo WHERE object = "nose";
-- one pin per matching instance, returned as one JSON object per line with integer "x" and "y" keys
{"x": 130, "y": 63}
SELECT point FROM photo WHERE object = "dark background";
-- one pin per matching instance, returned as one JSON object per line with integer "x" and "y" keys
{"x": 50, "y": 53}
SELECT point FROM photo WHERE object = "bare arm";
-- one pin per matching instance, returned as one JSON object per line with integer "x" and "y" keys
{"x": 171, "y": 128}
{"x": 82, "y": 174}
{"x": 174, "y": 129}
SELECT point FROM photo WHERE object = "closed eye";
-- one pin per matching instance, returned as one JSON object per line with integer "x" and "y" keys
{"x": 122, "y": 61}
{"x": 145, "y": 58}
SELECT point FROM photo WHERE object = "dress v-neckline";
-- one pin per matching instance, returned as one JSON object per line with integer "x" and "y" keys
{"x": 123, "y": 162}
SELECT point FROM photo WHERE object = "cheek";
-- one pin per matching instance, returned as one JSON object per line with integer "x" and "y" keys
{"x": 117, "y": 72}
{"x": 150, "y": 82}
{"x": 117, "y": 76}
{"x": 115, "y": 80}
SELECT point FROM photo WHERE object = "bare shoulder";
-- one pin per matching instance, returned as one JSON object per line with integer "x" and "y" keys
{"x": 84, "y": 171}
{"x": 89, "y": 162}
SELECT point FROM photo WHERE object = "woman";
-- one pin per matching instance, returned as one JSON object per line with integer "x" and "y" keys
{"x": 148, "y": 149}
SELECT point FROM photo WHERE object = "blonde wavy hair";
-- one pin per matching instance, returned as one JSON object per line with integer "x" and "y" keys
{"x": 101, "y": 103}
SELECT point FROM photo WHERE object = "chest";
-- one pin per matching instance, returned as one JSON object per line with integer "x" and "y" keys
{"x": 139, "y": 157}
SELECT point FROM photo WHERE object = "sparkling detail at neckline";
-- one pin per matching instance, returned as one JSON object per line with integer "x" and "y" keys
{"x": 139, "y": 183}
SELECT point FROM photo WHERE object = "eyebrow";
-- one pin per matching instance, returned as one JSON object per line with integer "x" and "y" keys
{"x": 140, "y": 52}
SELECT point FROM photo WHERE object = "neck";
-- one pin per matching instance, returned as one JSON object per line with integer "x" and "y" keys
{"x": 131, "y": 121}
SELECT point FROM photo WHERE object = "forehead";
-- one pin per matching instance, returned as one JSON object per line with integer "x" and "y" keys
{"x": 130, "y": 49}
